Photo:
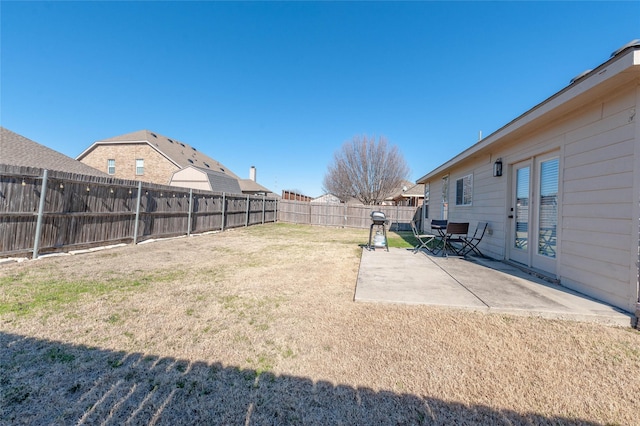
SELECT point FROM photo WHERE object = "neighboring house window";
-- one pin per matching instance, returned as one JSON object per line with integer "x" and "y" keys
{"x": 464, "y": 190}
{"x": 111, "y": 166}
{"x": 139, "y": 166}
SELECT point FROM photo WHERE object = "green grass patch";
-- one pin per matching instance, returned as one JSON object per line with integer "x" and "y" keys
{"x": 26, "y": 293}
{"x": 401, "y": 239}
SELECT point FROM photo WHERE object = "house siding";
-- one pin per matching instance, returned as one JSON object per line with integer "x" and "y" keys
{"x": 157, "y": 168}
{"x": 598, "y": 202}
{"x": 598, "y": 148}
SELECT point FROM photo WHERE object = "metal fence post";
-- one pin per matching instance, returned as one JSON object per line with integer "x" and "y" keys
{"x": 43, "y": 196}
{"x": 345, "y": 215}
{"x": 135, "y": 228}
{"x": 247, "y": 219}
{"x": 224, "y": 210}
{"x": 189, "y": 215}
{"x": 275, "y": 210}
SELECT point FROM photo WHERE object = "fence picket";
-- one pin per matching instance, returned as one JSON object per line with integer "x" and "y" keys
{"x": 84, "y": 211}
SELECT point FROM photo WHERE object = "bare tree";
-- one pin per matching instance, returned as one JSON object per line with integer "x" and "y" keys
{"x": 367, "y": 170}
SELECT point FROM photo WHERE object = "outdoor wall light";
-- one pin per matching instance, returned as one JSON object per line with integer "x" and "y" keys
{"x": 497, "y": 167}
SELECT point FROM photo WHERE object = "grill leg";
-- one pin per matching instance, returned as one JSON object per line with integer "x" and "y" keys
{"x": 370, "y": 232}
{"x": 386, "y": 242}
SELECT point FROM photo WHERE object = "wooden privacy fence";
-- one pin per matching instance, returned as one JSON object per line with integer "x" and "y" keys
{"x": 345, "y": 215}
{"x": 46, "y": 211}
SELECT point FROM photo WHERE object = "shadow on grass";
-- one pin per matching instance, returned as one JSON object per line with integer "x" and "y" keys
{"x": 45, "y": 382}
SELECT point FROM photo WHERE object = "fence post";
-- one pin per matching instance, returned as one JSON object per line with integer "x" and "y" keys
{"x": 224, "y": 210}
{"x": 135, "y": 228}
{"x": 264, "y": 206}
{"x": 189, "y": 215}
{"x": 345, "y": 215}
{"x": 43, "y": 196}
{"x": 247, "y": 218}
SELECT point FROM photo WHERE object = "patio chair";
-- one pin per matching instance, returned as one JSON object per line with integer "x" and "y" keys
{"x": 471, "y": 243}
{"x": 423, "y": 239}
{"x": 456, "y": 233}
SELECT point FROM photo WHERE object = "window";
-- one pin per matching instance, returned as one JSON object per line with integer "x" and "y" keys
{"x": 464, "y": 190}
{"x": 139, "y": 166}
{"x": 445, "y": 198}
{"x": 426, "y": 200}
{"x": 111, "y": 166}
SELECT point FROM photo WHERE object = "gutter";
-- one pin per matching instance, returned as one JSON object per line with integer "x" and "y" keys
{"x": 621, "y": 61}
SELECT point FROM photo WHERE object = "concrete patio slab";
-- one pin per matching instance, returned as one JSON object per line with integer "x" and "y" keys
{"x": 400, "y": 276}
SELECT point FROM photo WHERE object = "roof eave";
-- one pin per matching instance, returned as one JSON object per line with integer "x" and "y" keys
{"x": 613, "y": 67}
{"x": 97, "y": 143}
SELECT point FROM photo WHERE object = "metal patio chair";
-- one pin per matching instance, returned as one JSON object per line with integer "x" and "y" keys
{"x": 456, "y": 233}
{"x": 471, "y": 243}
{"x": 423, "y": 239}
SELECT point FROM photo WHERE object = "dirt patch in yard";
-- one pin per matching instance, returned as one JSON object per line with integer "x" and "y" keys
{"x": 258, "y": 326}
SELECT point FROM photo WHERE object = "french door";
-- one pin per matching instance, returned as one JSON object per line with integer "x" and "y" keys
{"x": 534, "y": 212}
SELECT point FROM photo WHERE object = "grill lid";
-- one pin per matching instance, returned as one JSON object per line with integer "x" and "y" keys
{"x": 378, "y": 217}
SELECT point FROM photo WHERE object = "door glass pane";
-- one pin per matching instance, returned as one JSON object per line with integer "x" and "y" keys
{"x": 445, "y": 197}
{"x": 548, "y": 208}
{"x": 522, "y": 209}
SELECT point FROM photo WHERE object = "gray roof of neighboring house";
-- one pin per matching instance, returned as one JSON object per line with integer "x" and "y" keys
{"x": 180, "y": 153}
{"x": 249, "y": 185}
{"x": 16, "y": 150}
{"x": 221, "y": 182}
{"x": 415, "y": 191}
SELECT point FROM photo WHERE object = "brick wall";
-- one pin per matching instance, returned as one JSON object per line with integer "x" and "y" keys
{"x": 157, "y": 169}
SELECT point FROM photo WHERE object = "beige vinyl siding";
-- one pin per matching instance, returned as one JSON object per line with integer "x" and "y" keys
{"x": 597, "y": 224}
{"x": 191, "y": 178}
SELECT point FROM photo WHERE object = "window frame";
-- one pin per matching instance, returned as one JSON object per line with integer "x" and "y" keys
{"x": 111, "y": 166}
{"x": 464, "y": 184}
{"x": 139, "y": 166}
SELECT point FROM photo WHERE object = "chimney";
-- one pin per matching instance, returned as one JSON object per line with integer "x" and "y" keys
{"x": 252, "y": 173}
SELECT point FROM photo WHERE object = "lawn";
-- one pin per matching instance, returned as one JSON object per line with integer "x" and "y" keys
{"x": 258, "y": 326}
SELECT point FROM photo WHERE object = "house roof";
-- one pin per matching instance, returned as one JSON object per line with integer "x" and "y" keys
{"x": 16, "y": 150}
{"x": 397, "y": 193}
{"x": 621, "y": 68}
{"x": 415, "y": 191}
{"x": 218, "y": 181}
{"x": 179, "y": 153}
{"x": 248, "y": 185}
{"x": 222, "y": 182}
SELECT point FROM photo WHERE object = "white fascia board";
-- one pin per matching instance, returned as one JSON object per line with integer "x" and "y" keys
{"x": 604, "y": 72}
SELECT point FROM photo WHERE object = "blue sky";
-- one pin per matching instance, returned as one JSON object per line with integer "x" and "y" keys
{"x": 282, "y": 85}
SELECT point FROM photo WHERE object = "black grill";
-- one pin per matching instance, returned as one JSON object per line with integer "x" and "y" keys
{"x": 378, "y": 219}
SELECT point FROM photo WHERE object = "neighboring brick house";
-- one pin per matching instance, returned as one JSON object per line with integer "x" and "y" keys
{"x": 16, "y": 150}
{"x": 147, "y": 156}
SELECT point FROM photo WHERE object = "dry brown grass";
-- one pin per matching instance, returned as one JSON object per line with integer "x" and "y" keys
{"x": 258, "y": 326}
